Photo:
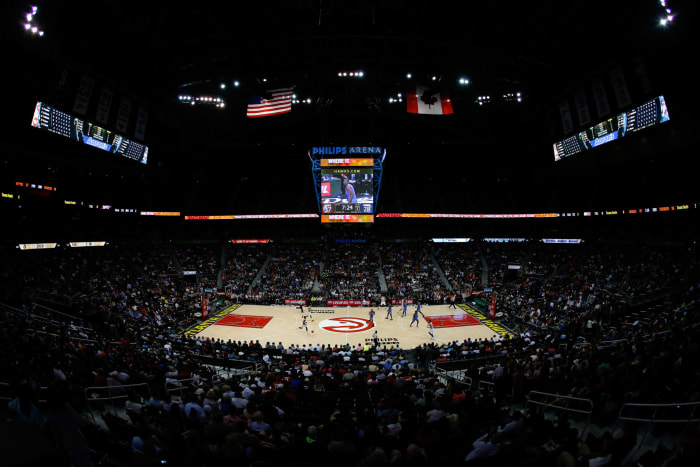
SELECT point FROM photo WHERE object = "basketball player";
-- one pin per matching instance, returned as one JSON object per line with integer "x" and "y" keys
{"x": 308, "y": 314}
{"x": 405, "y": 306}
{"x": 452, "y": 301}
{"x": 349, "y": 190}
{"x": 415, "y": 319}
{"x": 431, "y": 330}
{"x": 388, "y": 313}
{"x": 375, "y": 338}
{"x": 304, "y": 326}
{"x": 418, "y": 309}
{"x": 371, "y": 315}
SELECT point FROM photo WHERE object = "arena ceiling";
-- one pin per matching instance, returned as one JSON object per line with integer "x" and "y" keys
{"x": 481, "y": 157}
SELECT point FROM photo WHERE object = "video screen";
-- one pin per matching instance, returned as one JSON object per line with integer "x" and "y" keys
{"x": 648, "y": 114}
{"x": 347, "y": 190}
{"x": 56, "y": 121}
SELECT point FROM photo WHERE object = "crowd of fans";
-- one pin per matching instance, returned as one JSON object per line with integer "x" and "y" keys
{"x": 204, "y": 259}
{"x": 290, "y": 274}
{"x": 242, "y": 265}
{"x": 359, "y": 404}
{"x": 461, "y": 264}
{"x": 350, "y": 271}
{"x": 409, "y": 272}
{"x": 500, "y": 255}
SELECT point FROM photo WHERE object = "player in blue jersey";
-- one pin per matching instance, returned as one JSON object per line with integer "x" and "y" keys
{"x": 415, "y": 319}
{"x": 371, "y": 315}
{"x": 349, "y": 191}
{"x": 388, "y": 313}
{"x": 405, "y": 306}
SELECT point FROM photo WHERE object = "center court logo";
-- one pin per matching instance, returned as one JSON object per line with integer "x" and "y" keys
{"x": 346, "y": 324}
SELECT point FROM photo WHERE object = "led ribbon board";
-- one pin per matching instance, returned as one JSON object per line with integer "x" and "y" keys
{"x": 61, "y": 123}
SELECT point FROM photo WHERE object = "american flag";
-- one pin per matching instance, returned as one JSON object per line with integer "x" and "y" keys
{"x": 280, "y": 103}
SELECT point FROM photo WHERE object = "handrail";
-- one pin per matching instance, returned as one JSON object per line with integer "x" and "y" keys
{"x": 178, "y": 384}
{"x": 611, "y": 343}
{"x": 87, "y": 341}
{"x": 56, "y": 311}
{"x": 560, "y": 397}
{"x": 487, "y": 386}
{"x": 109, "y": 389}
{"x": 656, "y": 408}
{"x": 12, "y": 308}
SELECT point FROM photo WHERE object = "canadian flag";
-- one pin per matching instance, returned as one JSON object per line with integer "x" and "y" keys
{"x": 431, "y": 101}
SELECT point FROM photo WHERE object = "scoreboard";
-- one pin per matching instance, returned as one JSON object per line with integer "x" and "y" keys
{"x": 61, "y": 123}
{"x": 346, "y": 188}
{"x": 648, "y": 114}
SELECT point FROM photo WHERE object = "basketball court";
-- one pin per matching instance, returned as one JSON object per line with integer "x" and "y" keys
{"x": 345, "y": 325}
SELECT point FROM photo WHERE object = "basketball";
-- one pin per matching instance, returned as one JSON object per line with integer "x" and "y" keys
{"x": 312, "y": 331}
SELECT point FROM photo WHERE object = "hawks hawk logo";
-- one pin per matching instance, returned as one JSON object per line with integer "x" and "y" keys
{"x": 346, "y": 324}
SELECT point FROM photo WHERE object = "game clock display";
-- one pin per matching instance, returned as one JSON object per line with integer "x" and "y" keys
{"x": 59, "y": 122}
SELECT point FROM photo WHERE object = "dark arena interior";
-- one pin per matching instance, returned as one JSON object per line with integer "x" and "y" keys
{"x": 349, "y": 233}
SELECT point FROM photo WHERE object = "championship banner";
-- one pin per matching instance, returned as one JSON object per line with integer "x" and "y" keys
{"x": 600, "y": 97}
{"x": 104, "y": 105}
{"x": 123, "y": 114}
{"x": 398, "y": 302}
{"x": 348, "y": 302}
{"x": 295, "y": 302}
{"x": 581, "y": 104}
{"x": 565, "y": 114}
{"x": 619, "y": 84}
{"x": 82, "y": 98}
{"x": 141, "y": 120}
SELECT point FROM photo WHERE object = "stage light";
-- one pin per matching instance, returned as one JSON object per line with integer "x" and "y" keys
{"x": 27, "y": 26}
{"x": 34, "y": 30}
{"x": 29, "y": 16}
{"x": 41, "y": 33}
{"x": 663, "y": 22}
{"x": 361, "y": 74}
{"x": 236, "y": 83}
{"x": 340, "y": 74}
{"x": 391, "y": 100}
{"x": 434, "y": 78}
{"x": 264, "y": 80}
{"x": 409, "y": 76}
{"x": 222, "y": 86}
{"x": 669, "y": 18}
{"x": 399, "y": 94}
